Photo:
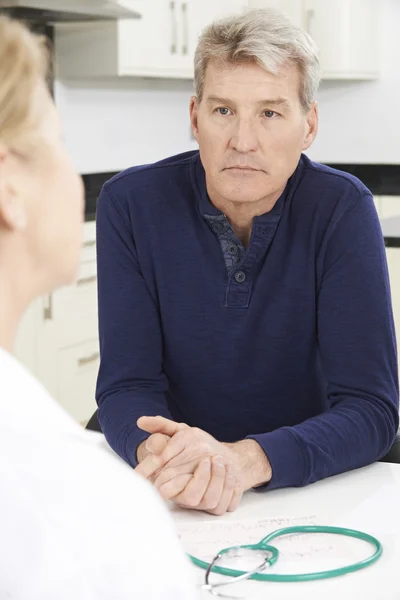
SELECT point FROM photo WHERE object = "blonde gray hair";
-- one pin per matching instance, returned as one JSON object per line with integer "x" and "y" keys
{"x": 266, "y": 37}
{"x": 23, "y": 65}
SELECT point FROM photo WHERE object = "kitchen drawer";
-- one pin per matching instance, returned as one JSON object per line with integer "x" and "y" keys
{"x": 70, "y": 314}
{"x": 89, "y": 242}
{"x": 77, "y": 368}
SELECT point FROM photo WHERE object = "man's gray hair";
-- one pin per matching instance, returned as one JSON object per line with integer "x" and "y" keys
{"x": 266, "y": 37}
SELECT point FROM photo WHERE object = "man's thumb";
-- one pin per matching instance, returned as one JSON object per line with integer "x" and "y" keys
{"x": 156, "y": 443}
{"x": 159, "y": 425}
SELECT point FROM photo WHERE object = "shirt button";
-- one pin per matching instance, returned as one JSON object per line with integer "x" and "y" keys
{"x": 232, "y": 249}
{"x": 218, "y": 227}
{"x": 240, "y": 276}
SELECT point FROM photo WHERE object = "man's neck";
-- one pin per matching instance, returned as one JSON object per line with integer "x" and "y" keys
{"x": 242, "y": 226}
{"x": 241, "y": 214}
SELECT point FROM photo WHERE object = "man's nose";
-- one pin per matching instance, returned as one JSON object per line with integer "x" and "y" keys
{"x": 244, "y": 138}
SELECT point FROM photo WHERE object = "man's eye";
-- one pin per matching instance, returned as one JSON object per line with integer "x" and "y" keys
{"x": 270, "y": 114}
{"x": 222, "y": 110}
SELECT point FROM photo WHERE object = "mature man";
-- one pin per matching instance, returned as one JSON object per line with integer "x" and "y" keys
{"x": 244, "y": 300}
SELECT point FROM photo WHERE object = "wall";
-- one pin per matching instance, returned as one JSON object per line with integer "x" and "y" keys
{"x": 111, "y": 125}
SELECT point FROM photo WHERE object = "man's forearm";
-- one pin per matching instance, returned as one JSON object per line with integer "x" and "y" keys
{"x": 252, "y": 463}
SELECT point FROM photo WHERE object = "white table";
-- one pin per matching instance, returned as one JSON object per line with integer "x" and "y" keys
{"x": 331, "y": 500}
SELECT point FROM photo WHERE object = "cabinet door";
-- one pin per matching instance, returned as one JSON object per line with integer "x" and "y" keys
{"x": 77, "y": 368}
{"x": 68, "y": 320}
{"x": 294, "y": 9}
{"x": 347, "y": 35}
{"x": 155, "y": 44}
{"x": 58, "y": 340}
{"x": 70, "y": 313}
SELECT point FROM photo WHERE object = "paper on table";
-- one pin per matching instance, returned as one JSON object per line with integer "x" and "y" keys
{"x": 297, "y": 553}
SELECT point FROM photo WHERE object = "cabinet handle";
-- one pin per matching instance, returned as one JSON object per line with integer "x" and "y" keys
{"x": 310, "y": 13}
{"x": 185, "y": 47}
{"x": 87, "y": 360}
{"x": 174, "y": 27}
{"x": 48, "y": 308}
{"x": 86, "y": 280}
{"x": 89, "y": 243}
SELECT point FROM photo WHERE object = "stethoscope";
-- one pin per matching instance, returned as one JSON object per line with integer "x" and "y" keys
{"x": 271, "y": 555}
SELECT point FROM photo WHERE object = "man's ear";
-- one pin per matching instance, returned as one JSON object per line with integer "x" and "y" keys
{"x": 193, "y": 111}
{"x": 311, "y": 126}
{"x": 12, "y": 208}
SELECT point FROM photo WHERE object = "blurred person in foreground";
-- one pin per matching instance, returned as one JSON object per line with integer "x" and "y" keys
{"x": 246, "y": 327}
{"x": 75, "y": 523}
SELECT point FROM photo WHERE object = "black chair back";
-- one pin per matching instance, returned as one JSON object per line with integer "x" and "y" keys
{"x": 94, "y": 424}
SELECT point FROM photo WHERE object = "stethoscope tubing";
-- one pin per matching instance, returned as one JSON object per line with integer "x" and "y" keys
{"x": 264, "y": 545}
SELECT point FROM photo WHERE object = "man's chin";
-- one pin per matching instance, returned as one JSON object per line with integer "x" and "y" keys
{"x": 243, "y": 194}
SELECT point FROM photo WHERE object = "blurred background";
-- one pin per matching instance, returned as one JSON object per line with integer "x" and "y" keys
{"x": 122, "y": 79}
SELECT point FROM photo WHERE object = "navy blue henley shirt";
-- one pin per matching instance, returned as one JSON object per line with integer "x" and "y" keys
{"x": 293, "y": 345}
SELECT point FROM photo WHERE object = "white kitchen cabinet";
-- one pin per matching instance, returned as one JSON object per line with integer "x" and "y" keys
{"x": 160, "y": 44}
{"x": 71, "y": 309}
{"x": 58, "y": 339}
{"x": 154, "y": 46}
{"x": 76, "y": 374}
{"x": 157, "y": 44}
{"x": 150, "y": 46}
{"x": 347, "y": 33}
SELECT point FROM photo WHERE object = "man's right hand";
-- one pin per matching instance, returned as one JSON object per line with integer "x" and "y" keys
{"x": 157, "y": 441}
